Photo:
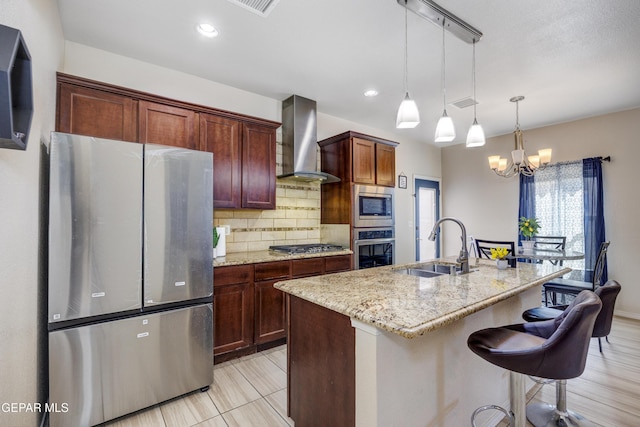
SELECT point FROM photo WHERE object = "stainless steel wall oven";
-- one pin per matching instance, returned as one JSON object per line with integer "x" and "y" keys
{"x": 373, "y": 247}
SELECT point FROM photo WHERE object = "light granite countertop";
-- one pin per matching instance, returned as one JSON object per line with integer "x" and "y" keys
{"x": 411, "y": 306}
{"x": 254, "y": 257}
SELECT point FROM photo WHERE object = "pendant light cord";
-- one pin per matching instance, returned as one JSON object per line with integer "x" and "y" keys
{"x": 473, "y": 64}
{"x": 406, "y": 43}
{"x": 444, "y": 90}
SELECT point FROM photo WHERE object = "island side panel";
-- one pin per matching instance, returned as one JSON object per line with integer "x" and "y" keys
{"x": 321, "y": 366}
{"x": 433, "y": 379}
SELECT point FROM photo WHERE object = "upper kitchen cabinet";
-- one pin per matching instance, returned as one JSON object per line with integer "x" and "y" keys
{"x": 87, "y": 111}
{"x": 244, "y": 161}
{"x": 361, "y": 159}
{"x": 167, "y": 125}
{"x": 223, "y": 137}
{"x": 244, "y": 147}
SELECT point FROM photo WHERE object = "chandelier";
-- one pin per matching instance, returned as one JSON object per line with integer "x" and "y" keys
{"x": 519, "y": 163}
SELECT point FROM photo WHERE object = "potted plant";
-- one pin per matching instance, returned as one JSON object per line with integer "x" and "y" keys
{"x": 528, "y": 229}
{"x": 500, "y": 255}
{"x": 216, "y": 239}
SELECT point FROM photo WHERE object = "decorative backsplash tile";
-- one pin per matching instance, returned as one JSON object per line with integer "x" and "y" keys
{"x": 295, "y": 220}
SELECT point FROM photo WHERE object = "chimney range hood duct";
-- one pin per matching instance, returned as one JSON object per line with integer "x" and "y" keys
{"x": 300, "y": 141}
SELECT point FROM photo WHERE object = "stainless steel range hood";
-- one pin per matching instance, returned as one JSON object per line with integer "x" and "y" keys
{"x": 300, "y": 141}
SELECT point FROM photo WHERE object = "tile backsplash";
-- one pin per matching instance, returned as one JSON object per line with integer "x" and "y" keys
{"x": 295, "y": 220}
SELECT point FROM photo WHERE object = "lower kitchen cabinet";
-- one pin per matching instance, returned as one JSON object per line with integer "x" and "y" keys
{"x": 249, "y": 313}
{"x": 232, "y": 308}
{"x": 269, "y": 303}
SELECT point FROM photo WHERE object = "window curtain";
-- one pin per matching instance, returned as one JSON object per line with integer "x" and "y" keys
{"x": 594, "y": 231}
{"x": 527, "y": 207}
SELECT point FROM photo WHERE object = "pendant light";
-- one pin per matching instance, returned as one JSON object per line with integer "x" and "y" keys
{"x": 408, "y": 115}
{"x": 445, "y": 131}
{"x": 475, "y": 137}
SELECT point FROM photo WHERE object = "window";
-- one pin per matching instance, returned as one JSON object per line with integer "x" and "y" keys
{"x": 559, "y": 205}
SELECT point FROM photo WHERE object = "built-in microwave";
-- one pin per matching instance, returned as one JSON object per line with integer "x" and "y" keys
{"x": 372, "y": 206}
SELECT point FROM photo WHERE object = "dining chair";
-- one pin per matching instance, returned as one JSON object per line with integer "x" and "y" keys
{"x": 550, "y": 243}
{"x": 578, "y": 280}
{"x": 484, "y": 249}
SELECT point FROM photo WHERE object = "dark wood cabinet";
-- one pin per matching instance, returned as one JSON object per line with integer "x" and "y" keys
{"x": 244, "y": 147}
{"x": 355, "y": 158}
{"x": 167, "y": 125}
{"x": 364, "y": 161}
{"x": 221, "y": 136}
{"x": 233, "y": 299}
{"x": 269, "y": 302}
{"x": 385, "y": 165}
{"x": 249, "y": 313}
{"x": 258, "y": 167}
{"x": 87, "y": 111}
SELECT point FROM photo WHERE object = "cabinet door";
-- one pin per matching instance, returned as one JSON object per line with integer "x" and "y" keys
{"x": 270, "y": 314}
{"x": 221, "y": 137}
{"x": 269, "y": 303}
{"x": 233, "y": 299}
{"x": 364, "y": 159}
{"x": 91, "y": 112}
{"x": 167, "y": 125}
{"x": 258, "y": 167}
{"x": 385, "y": 165}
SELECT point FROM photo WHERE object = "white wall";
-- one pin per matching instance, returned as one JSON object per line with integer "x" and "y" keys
{"x": 19, "y": 209}
{"x": 488, "y": 205}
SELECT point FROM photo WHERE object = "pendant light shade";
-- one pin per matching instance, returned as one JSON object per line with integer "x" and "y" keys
{"x": 408, "y": 115}
{"x": 445, "y": 131}
{"x": 475, "y": 136}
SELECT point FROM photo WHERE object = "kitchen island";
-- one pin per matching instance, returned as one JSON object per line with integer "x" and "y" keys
{"x": 377, "y": 347}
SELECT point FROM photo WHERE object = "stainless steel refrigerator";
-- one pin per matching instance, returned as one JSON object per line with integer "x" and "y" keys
{"x": 130, "y": 276}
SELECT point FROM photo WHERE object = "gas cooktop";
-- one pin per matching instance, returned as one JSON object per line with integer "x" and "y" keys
{"x": 311, "y": 248}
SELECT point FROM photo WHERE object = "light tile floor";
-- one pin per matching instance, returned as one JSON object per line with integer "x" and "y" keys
{"x": 250, "y": 391}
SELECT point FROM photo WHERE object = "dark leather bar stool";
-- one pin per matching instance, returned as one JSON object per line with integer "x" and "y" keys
{"x": 554, "y": 349}
{"x": 608, "y": 294}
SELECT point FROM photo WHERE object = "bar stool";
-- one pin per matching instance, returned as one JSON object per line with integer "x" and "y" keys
{"x": 553, "y": 349}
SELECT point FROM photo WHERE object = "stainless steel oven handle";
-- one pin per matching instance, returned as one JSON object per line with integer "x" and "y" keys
{"x": 372, "y": 241}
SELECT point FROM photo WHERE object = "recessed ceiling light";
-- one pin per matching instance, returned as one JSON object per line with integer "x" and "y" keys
{"x": 371, "y": 92}
{"x": 207, "y": 30}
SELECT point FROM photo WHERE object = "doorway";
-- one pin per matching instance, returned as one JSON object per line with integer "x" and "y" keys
{"x": 427, "y": 213}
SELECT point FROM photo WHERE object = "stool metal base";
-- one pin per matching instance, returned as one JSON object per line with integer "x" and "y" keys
{"x": 545, "y": 415}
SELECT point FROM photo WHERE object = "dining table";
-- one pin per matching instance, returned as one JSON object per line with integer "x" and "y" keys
{"x": 548, "y": 254}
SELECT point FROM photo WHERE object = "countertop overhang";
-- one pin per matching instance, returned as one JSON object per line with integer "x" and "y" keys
{"x": 411, "y": 306}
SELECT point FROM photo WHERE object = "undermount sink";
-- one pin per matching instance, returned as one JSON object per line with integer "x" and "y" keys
{"x": 429, "y": 270}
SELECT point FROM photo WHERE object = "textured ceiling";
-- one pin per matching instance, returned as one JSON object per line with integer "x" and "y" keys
{"x": 570, "y": 58}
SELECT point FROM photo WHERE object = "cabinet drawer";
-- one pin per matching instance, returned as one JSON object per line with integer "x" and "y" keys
{"x": 272, "y": 270}
{"x": 232, "y": 275}
{"x": 337, "y": 263}
{"x": 307, "y": 267}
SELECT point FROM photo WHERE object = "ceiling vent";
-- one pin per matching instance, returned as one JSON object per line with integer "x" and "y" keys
{"x": 464, "y": 102}
{"x": 260, "y": 7}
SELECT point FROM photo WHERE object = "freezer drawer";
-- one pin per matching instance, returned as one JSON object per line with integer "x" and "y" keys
{"x": 178, "y": 214}
{"x": 107, "y": 370}
{"x": 95, "y": 227}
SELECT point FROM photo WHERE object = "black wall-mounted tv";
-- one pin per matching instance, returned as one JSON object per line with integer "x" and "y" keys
{"x": 16, "y": 90}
